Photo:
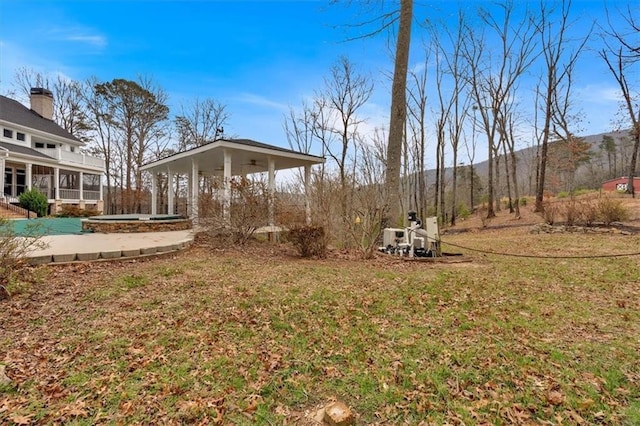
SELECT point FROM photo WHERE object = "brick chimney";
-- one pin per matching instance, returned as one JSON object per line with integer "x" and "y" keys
{"x": 42, "y": 102}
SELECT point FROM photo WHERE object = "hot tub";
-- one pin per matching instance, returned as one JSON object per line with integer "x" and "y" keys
{"x": 125, "y": 223}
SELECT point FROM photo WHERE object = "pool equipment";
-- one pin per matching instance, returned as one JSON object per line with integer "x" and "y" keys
{"x": 416, "y": 240}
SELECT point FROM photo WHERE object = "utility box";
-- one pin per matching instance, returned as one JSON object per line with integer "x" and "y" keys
{"x": 431, "y": 226}
{"x": 393, "y": 236}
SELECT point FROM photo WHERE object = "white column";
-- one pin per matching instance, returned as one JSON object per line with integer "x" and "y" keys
{"x": 169, "y": 191}
{"x": 189, "y": 194}
{"x": 154, "y": 193}
{"x": 226, "y": 200}
{"x": 2, "y": 166}
{"x": 307, "y": 196}
{"x": 101, "y": 189}
{"x": 28, "y": 175}
{"x": 272, "y": 190}
{"x": 81, "y": 186}
{"x": 194, "y": 188}
{"x": 56, "y": 181}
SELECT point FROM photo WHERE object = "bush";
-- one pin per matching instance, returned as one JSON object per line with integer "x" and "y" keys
{"x": 611, "y": 210}
{"x": 463, "y": 212}
{"x": 572, "y": 211}
{"x": 34, "y": 201}
{"x": 13, "y": 251}
{"x": 588, "y": 213}
{"x": 550, "y": 211}
{"x": 70, "y": 210}
{"x": 309, "y": 240}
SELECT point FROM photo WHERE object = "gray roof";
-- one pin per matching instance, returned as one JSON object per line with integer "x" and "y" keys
{"x": 257, "y": 144}
{"x": 247, "y": 142}
{"x": 14, "y": 112}
{"x": 245, "y": 152}
{"x": 19, "y": 149}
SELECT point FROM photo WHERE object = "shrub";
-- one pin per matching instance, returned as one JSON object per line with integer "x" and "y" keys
{"x": 571, "y": 212}
{"x": 247, "y": 211}
{"x": 34, "y": 201}
{"x": 463, "y": 211}
{"x": 309, "y": 240}
{"x": 588, "y": 212}
{"x": 13, "y": 251}
{"x": 611, "y": 210}
{"x": 70, "y": 210}
{"x": 523, "y": 201}
{"x": 550, "y": 211}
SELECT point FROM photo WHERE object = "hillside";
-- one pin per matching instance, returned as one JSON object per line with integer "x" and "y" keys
{"x": 589, "y": 175}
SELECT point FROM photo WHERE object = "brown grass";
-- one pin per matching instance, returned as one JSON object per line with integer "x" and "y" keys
{"x": 214, "y": 335}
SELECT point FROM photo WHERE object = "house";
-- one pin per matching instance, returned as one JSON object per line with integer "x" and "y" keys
{"x": 620, "y": 184}
{"x": 35, "y": 152}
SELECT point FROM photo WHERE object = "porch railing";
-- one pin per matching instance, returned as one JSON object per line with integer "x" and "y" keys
{"x": 91, "y": 195}
{"x": 69, "y": 194}
{"x": 72, "y": 157}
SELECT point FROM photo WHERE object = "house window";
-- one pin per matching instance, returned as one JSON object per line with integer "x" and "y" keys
{"x": 51, "y": 145}
{"x": 8, "y": 181}
{"x": 73, "y": 149}
{"x": 21, "y": 181}
{"x": 8, "y": 133}
{"x": 20, "y": 136}
{"x": 39, "y": 145}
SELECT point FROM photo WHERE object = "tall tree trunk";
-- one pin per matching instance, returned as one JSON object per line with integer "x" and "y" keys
{"x": 398, "y": 111}
{"x": 507, "y": 175}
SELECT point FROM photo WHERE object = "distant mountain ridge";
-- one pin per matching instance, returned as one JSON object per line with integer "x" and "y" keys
{"x": 588, "y": 175}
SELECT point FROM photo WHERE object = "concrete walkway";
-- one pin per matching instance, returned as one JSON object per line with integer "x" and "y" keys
{"x": 88, "y": 247}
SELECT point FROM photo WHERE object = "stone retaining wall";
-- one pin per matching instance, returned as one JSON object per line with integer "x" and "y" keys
{"x": 544, "y": 228}
{"x": 126, "y": 226}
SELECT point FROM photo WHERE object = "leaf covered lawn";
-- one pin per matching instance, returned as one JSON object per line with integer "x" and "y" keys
{"x": 258, "y": 336}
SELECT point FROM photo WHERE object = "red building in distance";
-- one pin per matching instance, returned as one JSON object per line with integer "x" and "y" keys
{"x": 620, "y": 184}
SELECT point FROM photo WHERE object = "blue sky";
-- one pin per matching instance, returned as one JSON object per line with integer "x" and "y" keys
{"x": 257, "y": 57}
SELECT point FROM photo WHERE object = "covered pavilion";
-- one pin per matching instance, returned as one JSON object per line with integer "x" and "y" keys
{"x": 227, "y": 158}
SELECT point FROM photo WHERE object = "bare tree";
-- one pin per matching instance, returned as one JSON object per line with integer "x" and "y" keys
{"x": 68, "y": 108}
{"x": 345, "y": 93}
{"x": 368, "y": 198}
{"x": 455, "y": 67}
{"x": 622, "y": 55}
{"x": 336, "y": 119}
{"x": 559, "y": 64}
{"x": 445, "y": 105}
{"x": 332, "y": 121}
{"x": 417, "y": 135}
{"x": 493, "y": 77}
{"x": 470, "y": 147}
{"x": 506, "y": 124}
{"x": 299, "y": 129}
{"x": 200, "y": 122}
